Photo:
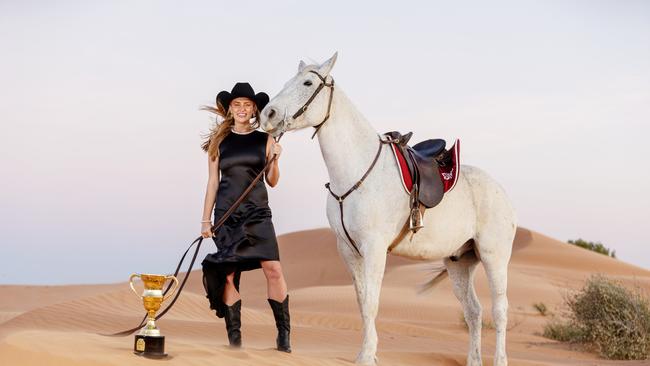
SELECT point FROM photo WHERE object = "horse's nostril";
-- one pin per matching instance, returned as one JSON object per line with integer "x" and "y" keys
{"x": 271, "y": 113}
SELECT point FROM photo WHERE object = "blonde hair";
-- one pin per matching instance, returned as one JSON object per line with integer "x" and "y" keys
{"x": 221, "y": 129}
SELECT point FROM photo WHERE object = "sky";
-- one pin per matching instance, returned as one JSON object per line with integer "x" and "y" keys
{"x": 101, "y": 166}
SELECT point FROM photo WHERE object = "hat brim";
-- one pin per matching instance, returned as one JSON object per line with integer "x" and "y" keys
{"x": 261, "y": 100}
{"x": 224, "y": 98}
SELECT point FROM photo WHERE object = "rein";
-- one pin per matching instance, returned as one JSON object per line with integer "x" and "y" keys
{"x": 198, "y": 242}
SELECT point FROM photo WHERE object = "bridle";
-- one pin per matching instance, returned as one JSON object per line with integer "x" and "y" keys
{"x": 313, "y": 96}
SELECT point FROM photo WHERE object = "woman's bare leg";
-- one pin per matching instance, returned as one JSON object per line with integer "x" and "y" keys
{"x": 230, "y": 293}
{"x": 275, "y": 283}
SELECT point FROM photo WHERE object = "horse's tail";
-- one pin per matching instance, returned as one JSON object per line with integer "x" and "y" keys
{"x": 441, "y": 275}
{"x": 468, "y": 258}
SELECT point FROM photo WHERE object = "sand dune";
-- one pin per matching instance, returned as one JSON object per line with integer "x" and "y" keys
{"x": 58, "y": 325}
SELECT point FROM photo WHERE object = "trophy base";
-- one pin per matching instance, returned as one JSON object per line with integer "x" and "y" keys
{"x": 149, "y": 346}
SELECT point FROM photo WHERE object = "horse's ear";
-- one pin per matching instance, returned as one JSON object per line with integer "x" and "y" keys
{"x": 327, "y": 66}
{"x": 301, "y": 66}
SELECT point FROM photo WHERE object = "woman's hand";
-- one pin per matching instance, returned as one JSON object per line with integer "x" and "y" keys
{"x": 273, "y": 151}
{"x": 206, "y": 229}
{"x": 276, "y": 149}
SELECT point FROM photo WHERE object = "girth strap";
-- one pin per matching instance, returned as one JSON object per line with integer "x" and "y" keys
{"x": 405, "y": 229}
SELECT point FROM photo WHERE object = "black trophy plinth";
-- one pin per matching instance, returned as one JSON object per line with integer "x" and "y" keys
{"x": 149, "y": 346}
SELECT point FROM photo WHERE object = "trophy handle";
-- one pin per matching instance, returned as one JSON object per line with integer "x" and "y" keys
{"x": 131, "y": 283}
{"x": 173, "y": 289}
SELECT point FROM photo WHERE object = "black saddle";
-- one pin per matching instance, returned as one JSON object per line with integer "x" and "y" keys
{"x": 423, "y": 160}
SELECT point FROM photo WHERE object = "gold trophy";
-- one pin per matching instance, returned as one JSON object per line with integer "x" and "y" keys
{"x": 149, "y": 342}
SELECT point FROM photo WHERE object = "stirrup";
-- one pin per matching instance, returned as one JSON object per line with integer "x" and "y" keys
{"x": 415, "y": 216}
{"x": 415, "y": 220}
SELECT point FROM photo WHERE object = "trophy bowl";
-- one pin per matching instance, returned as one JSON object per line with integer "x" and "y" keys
{"x": 149, "y": 342}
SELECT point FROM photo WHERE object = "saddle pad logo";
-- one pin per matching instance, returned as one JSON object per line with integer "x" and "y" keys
{"x": 448, "y": 176}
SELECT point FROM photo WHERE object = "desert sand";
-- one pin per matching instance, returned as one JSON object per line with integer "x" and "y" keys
{"x": 59, "y": 325}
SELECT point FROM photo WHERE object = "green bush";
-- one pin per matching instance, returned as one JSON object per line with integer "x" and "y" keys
{"x": 541, "y": 307}
{"x": 594, "y": 247}
{"x": 562, "y": 331}
{"x": 607, "y": 317}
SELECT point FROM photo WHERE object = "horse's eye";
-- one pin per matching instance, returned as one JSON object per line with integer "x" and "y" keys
{"x": 307, "y": 83}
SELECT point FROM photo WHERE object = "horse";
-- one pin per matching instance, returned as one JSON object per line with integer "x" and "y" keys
{"x": 474, "y": 222}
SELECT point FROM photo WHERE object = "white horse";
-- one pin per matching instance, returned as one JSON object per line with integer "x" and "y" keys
{"x": 475, "y": 220}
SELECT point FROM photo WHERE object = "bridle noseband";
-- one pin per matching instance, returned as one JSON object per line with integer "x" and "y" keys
{"x": 313, "y": 96}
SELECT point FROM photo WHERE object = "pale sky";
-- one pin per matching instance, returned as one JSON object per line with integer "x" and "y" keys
{"x": 102, "y": 174}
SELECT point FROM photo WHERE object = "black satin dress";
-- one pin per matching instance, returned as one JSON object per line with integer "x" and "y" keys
{"x": 247, "y": 237}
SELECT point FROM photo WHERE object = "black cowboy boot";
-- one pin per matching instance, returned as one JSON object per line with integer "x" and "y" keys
{"x": 233, "y": 323}
{"x": 281, "y": 315}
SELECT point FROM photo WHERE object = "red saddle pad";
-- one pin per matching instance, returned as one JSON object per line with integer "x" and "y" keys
{"x": 449, "y": 174}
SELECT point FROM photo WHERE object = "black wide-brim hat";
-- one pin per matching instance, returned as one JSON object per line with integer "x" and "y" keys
{"x": 242, "y": 90}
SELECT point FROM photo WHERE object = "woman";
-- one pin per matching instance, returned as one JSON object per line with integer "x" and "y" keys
{"x": 246, "y": 241}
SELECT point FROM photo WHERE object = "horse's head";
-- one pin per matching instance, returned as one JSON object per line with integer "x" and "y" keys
{"x": 305, "y": 100}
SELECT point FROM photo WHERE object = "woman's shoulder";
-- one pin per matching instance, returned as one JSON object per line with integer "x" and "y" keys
{"x": 263, "y": 136}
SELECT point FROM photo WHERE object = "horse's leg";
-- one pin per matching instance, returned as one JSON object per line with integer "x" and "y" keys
{"x": 461, "y": 274}
{"x": 367, "y": 273}
{"x": 496, "y": 268}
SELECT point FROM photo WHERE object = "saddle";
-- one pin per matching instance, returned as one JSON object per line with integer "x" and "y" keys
{"x": 428, "y": 171}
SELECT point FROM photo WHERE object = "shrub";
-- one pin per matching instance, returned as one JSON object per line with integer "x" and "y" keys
{"x": 541, "y": 307}
{"x": 608, "y": 317}
{"x": 594, "y": 247}
{"x": 562, "y": 331}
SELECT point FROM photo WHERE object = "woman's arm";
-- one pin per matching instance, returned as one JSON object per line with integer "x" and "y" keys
{"x": 210, "y": 196}
{"x": 273, "y": 173}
